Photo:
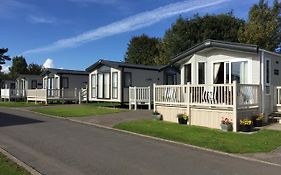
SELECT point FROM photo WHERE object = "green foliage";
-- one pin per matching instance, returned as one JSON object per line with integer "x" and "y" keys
{"x": 263, "y": 26}
{"x": 34, "y": 69}
{"x": 262, "y": 141}
{"x": 3, "y": 56}
{"x": 142, "y": 50}
{"x": 78, "y": 110}
{"x": 7, "y": 167}
{"x": 186, "y": 33}
{"x": 19, "y": 66}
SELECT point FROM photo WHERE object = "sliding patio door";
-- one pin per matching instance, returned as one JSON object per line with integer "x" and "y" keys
{"x": 104, "y": 85}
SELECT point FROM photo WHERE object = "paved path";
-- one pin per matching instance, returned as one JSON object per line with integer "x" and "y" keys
{"x": 112, "y": 119}
{"x": 57, "y": 147}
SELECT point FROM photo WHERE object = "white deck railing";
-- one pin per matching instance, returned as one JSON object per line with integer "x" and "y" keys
{"x": 52, "y": 94}
{"x": 139, "y": 95}
{"x": 213, "y": 95}
{"x": 12, "y": 93}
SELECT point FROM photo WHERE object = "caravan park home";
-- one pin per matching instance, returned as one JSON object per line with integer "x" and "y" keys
{"x": 59, "y": 84}
{"x": 110, "y": 80}
{"x": 222, "y": 80}
{"x": 16, "y": 89}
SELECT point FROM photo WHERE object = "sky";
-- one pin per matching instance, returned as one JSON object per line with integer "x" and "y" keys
{"x": 73, "y": 34}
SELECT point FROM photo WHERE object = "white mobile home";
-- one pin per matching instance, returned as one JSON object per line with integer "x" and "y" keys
{"x": 59, "y": 84}
{"x": 222, "y": 79}
{"x": 16, "y": 89}
{"x": 110, "y": 80}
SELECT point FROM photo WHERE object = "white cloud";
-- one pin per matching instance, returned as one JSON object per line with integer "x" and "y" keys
{"x": 49, "y": 63}
{"x": 44, "y": 20}
{"x": 5, "y": 69}
{"x": 131, "y": 23}
{"x": 11, "y": 8}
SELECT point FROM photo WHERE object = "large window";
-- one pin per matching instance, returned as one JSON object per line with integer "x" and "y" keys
{"x": 94, "y": 85}
{"x": 227, "y": 72}
{"x": 187, "y": 73}
{"x": 201, "y": 73}
{"x": 65, "y": 82}
{"x": 104, "y": 85}
{"x": 115, "y": 85}
{"x": 267, "y": 76}
{"x": 171, "y": 79}
{"x": 127, "y": 79}
{"x": 33, "y": 84}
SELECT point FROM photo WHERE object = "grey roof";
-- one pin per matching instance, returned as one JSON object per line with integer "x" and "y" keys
{"x": 116, "y": 64}
{"x": 63, "y": 71}
{"x": 217, "y": 44}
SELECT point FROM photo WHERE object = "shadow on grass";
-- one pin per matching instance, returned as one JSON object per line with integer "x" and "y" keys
{"x": 11, "y": 120}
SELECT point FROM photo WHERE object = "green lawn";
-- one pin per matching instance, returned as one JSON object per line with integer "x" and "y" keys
{"x": 7, "y": 167}
{"x": 17, "y": 104}
{"x": 78, "y": 110}
{"x": 262, "y": 141}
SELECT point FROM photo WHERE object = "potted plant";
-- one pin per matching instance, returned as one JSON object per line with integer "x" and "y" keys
{"x": 226, "y": 124}
{"x": 182, "y": 118}
{"x": 258, "y": 120}
{"x": 246, "y": 125}
{"x": 157, "y": 116}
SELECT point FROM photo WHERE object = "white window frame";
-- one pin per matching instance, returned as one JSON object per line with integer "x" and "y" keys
{"x": 114, "y": 96}
{"x": 267, "y": 84}
{"x": 94, "y": 88}
{"x": 197, "y": 72}
{"x": 249, "y": 67}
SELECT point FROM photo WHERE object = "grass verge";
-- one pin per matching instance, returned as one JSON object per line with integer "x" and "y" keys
{"x": 7, "y": 167}
{"x": 78, "y": 110}
{"x": 18, "y": 104}
{"x": 262, "y": 141}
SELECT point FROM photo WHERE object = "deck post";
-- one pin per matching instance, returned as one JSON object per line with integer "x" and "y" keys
{"x": 36, "y": 96}
{"x": 188, "y": 101}
{"x": 154, "y": 106}
{"x": 79, "y": 96}
{"x": 235, "y": 105}
{"x": 149, "y": 100}
{"x": 75, "y": 95}
{"x": 130, "y": 96}
{"x": 62, "y": 95}
{"x": 135, "y": 97}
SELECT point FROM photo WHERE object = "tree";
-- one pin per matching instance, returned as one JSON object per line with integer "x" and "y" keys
{"x": 142, "y": 50}
{"x": 34, "y": 69}
{"x": 19, "y": 66}
{"x": 263, "y": 26}
{"x": 3, "y": 57}
{"x": 186, "y": 33}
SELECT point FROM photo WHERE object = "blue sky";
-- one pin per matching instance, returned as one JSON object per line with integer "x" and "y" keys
{"x": 73, "y": 34}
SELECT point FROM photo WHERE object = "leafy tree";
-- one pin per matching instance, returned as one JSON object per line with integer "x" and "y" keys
{"x": 186, "y": 33}
{"x": 263, "y": 26}
{"x": 35, "y": 69}
{"x": 3, "y": 57}
{"x": 19, "y": 66}
{"x": 142, "y": 50}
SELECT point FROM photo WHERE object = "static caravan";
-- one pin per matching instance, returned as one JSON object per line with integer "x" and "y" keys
{"x": 29, "y": 81}
{"x": 59, "y": 85}
{"x": 8, "y": 87}
{"x": 110, "y": 80}
{"x": 222, "y": 79}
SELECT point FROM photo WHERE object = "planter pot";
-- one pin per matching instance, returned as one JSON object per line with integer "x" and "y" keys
{"x": 157, "y": 116}
{"x": 182, "y": 121}
{"x": 246, "y": 128}
{"x": 258, "y": 123}
{"x": 226, "y": 127}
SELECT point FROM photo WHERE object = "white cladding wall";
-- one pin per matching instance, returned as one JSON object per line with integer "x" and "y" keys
{"x": 111, "y": 70}
{"x": 220, "y": 55}
{"x": 142, "y": 78}
{"x": 74, "y": 81}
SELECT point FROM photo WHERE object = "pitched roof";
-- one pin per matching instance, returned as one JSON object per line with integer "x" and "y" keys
{"x": 63, "y": 71}
{"x": 116, "y": 64}
{"x": 216, "y": 44}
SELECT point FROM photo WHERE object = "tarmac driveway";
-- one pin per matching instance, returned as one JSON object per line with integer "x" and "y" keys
{"x": 57, "y": 147}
